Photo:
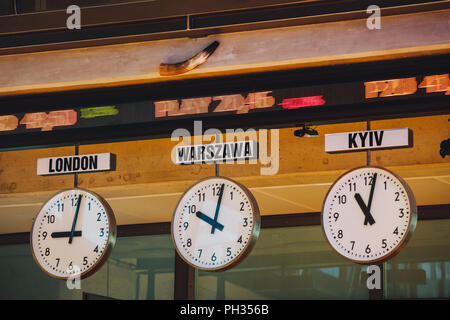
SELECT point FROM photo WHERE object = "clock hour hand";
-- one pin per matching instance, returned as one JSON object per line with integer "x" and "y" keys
{"x": 65, "y": 234}
{"x": 75, "y": 218}
{"x": 364, "y": 209}
{"x": 207, "y": 219}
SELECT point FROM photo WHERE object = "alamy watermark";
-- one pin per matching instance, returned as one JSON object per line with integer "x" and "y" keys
{"x": 207, "y": 147}
{"x": 374, "y": 278}
{"x": 74, "y": 280}
{"x": 374, "y": 21}
{"x": 74, "y": 20}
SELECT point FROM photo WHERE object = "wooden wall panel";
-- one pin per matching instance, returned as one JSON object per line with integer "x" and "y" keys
{"x": 149, "y": 161}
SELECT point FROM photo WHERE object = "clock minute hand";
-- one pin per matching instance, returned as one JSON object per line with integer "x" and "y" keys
{"x": 75, "y": 219}
{"x": 364, "y": 209}
{"x": 369, "y": 204}
{"x": 216, "y": 214}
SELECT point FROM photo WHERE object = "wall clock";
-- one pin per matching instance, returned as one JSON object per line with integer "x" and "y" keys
{"x": 73, "y": 234}
{"x": 369, "y": 214}
{"x": 215, "y": 224}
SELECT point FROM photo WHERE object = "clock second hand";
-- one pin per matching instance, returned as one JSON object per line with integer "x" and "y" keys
{"x": 213, "y": 227}
{"x": 75, "y": 218}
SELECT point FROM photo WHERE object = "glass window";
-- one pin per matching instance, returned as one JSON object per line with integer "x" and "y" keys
{"x": 5, "y": 7}
{"x": 139, "y": 268}
{"x": 422, "y": 269}
{"x": 287, "y": 263}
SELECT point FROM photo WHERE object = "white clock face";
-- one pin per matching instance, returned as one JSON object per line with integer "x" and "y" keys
{"x": 215, "y": 224}
{"x": 73, "y": 234}
{"x": 369, "y": 214}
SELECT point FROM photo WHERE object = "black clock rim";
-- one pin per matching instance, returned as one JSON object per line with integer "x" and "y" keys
{"x": 112, "y": 236}
{"x": 253, "y": 237}
{"x": 409, "y": 230}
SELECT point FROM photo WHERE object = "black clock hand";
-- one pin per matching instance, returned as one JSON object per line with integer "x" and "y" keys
{"x": 207, "y": 219}
{"x": 75, "y": 218}
{"x": 369, "y": 204}
{"x": 65, "y": 234}
{"x": 364, "y": 209}
{"x": 218, "y": 206}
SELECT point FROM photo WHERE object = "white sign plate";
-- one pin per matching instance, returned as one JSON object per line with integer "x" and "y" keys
{"x": 76, "y": 164}
{"x": 367, "y": 140}
{"x": 217, "y": 152}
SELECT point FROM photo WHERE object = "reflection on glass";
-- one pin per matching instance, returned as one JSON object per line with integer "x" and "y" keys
{"x": 422, "y": 269}
{"x": 287, "y": 263}
{"x": 139, "y": 268}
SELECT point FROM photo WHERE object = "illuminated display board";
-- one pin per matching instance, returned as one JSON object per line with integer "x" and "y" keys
{"x": 287, "y": 100}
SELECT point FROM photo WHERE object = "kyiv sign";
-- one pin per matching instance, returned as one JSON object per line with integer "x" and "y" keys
{"x": 367, "y": 140}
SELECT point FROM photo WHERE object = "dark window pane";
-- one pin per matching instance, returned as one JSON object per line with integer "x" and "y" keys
{"x": 140, "y": 268}
{"x": 6, "y": 7}
{"x": 422, "y": 269}
{"x": 288, "y": 263}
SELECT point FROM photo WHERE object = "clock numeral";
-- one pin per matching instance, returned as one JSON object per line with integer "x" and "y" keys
{"x": 242, "y": 206}
{"x": 102, "y": 232}
{"x": 192, "y": 208}
{"x": 201, "y": 197}
{"x": 216, "y": 191}
{"x": 395, "y": 231}
{"x": 368, "y": 181}
{"x": 189, "y": 242}
{"x": 336, "y": 216}
{"x": 213, "y": 257}
{"x": 231, "y": 195}
{"x": 245, "y": 222}
{"x": 368, "y": 250}
{"x": 228, "y": 251}
{"x": 60, "y": 207}
{"x": 85, "y": 261}
{"x": 240, "y": 239}
{"x": 385, "y": 185}
{"x": 199, "y": 252}
{"x": 70, "y": 265}
{"x": 383, "y": 243}
{"x": 401, "y": 215}
{"x": 342, "y": 199}
{"x": 51, "y": 219}
{"x": 57, "y": 262}
{"x": 186, "y": 225}
{"x": 99, "y": 216}
{"x": 44, "y": 234}
{"x": 353, "y": 244}
{"x": 397, "y": 194}
{"x": 340, "y": 234}
{"x": 96, "y": 249}
{"x": 74, "y": 202}
{"x": 352, "y": 186}
{"x": 47, "y": 252}
{"x": 89, "y": 206}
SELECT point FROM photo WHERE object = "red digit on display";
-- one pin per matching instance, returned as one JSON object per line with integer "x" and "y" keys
{"x": 8, "y": 123}
{"x": 436, "y": 83}
{"x": 48, "y": 121}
